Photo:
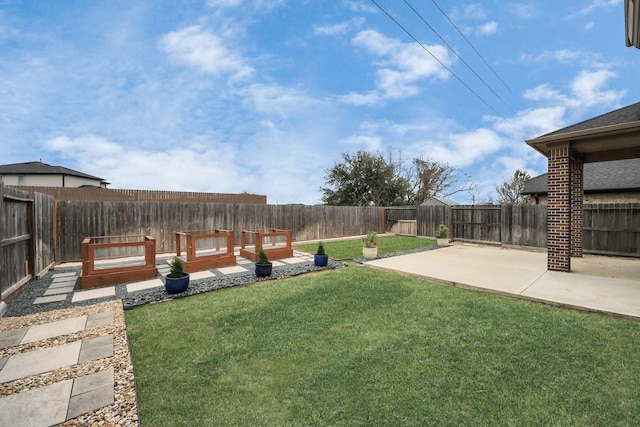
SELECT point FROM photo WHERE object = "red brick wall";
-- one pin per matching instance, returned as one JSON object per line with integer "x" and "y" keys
{"x": 577, "y": 199}
{"x": 559, "y": 210}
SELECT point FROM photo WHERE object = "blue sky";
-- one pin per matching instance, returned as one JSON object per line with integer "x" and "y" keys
{"x": 263, "y": 96}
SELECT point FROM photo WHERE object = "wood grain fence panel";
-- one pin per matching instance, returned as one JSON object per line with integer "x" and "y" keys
{"x": 16, "y": 244}
{"x": 612, "y": 229}
{"x": 78, "y": 219}
{"x": 428, "y": 219}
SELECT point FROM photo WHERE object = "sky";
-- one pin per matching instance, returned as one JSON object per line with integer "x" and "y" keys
{"x": 263, "y": 96}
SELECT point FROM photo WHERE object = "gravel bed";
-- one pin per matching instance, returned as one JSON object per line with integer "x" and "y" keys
{"x": 22, "y": 304}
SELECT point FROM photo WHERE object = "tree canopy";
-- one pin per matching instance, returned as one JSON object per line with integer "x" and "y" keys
{"x": 365, "y": 179}
{"x": 370, "y": 179}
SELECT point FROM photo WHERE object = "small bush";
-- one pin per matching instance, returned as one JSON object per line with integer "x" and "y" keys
{"x": 320, "y": 249}
{"x": 177, "y": 268}
{"x": 443, "y": 232}
{"x": 262, "y": 257}
{"x": 371, "y": 241}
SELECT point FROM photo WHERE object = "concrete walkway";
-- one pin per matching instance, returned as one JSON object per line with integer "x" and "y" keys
{"x": 62, "y": 400}
{"x": 602, "y": 284}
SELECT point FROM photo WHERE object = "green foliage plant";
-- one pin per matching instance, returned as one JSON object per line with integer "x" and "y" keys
{"x": 262, "y": 257}
{"x": 371, "y": 240}
{"x": 442, "y": 232}
{"x": 177, "y": 268}
{"x": 320, "y": 249}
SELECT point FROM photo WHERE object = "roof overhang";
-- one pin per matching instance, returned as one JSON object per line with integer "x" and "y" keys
{"x": 615, "y": 142}
{"x": 632, "y": 22}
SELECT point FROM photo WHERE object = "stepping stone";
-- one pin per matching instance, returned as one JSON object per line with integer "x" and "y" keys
{"x": 11, "y": 338}
{"x": 91, "y": 392}
{"x": 243, "y": 261}
{"x": 39, "y": 361}
{"x": 94, "y": 293}
{"x": 201, "y": 275}
{"x": 51, "y": 298}
{"x": 62, "y": 284}
{"x": 292, "y": 260}
{"x": 65, "y": 280}
{"x": 277, "y": 263}
{"x": 96, "y": 348}
{"x": 232, "y": 270}
{"x": 57, "y": 291}
{"x": 54, "y": 329}
{"x": 43, "y": 406}
{"x": 68, "y": 274}
{"x": 3, "y": 360}
{"x": 146, "y": 284}
{"x": 96, "y": 320}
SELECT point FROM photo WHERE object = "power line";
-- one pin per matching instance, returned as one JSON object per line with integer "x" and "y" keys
{"x": 459, "y": 57}
{"x": 475, "y": 50}
{"x": 434, "y": 57}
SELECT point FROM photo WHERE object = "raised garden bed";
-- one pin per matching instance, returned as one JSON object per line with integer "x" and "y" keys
{"x": 111, "y": 260}
{"x": 276, "y": 243}
{"x": 205, "y": 249}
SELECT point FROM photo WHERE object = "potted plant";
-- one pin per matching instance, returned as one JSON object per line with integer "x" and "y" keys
{"x": 320, "y": 259}
{"x": 263, "y": 266}
{"x": 442, "y": 235}
{"x": 177, "y": 280}
{"x": 370, "y": 248}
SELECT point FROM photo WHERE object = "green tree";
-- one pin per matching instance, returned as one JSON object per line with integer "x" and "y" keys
{"x": 365, "y": 179}
{"x": 510, "y": 191}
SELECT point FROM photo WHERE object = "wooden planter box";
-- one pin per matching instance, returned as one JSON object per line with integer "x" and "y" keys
{"x": 120, "y": 267}
{"x": 276, "y": 243}
{"x": 204, "y": 256}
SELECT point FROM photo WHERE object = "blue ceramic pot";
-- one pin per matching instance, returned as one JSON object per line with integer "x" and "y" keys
{"x": 176, "y": 285}
{"x": 320, "y": 260}
{"x": 263, "y": 270}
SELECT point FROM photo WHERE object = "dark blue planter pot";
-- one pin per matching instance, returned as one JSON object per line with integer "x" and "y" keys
{"x": 263, "y": 270}
{"x": 320, "y": 260}
{"x": 175, "y": 286}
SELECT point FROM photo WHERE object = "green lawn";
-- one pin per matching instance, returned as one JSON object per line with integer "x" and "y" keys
{"x": 362, "y": 347}
{"x": 352, "y": 248}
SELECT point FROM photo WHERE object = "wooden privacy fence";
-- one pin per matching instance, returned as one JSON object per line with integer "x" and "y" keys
{"x": 612, "y": 229}
{"x": 78, "y": 219}
{"x": 114, "y": 194}
{"x": 608, "y": 229}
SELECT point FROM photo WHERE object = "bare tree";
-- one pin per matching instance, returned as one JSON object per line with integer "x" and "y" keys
{"x": 511, "y": 189}
{"x": 431, "y": 178}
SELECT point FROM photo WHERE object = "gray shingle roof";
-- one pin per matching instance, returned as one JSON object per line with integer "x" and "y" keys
{"x": 33, "y": 168}
{"x": 619, "y": 175}
{"x": 630, "y": 113}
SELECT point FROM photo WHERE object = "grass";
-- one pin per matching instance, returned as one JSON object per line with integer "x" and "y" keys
{"x": 352, "y": 248}
{"x": 360, "y": 346}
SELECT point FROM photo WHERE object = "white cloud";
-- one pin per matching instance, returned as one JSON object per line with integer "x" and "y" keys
{"x": 401, "y": 65}
{"x": 275, "y": 99}
{"x": 339, "y": 28}
{"x": 487, "y": 29}
{"x": 589, "y": 89}
{"x": 199, "y": 48}
{"x": 599, "y": 4}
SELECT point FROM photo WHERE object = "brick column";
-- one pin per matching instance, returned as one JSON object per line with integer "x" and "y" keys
{"x": 559, "y": 209}
{"x": 577, "y": 196}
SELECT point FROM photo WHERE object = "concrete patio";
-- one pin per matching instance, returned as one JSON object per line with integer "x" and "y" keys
{"x": 596, "y": 283}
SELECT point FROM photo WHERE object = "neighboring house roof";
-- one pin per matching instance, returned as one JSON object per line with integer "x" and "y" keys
{"x": 440, "y": 200}
{"x": 39, "y": 168}
{"x": 618, "y": 175}
{"x": 630, "y": 113}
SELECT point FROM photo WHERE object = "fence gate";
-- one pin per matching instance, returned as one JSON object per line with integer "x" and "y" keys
{"x": 480, "y": 224}
{"x": 16, "y": 248}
